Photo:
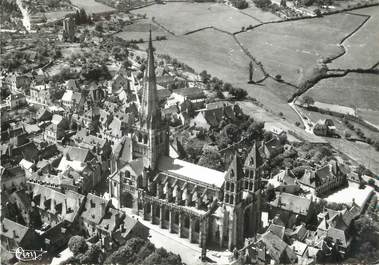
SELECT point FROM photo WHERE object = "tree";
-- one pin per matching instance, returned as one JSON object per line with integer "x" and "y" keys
{"x": 267, "y": 136}
{"x": 251, "y": 71}
{"x": 205, "y": 77}
{"x": 232, "y": 132}
{"x": 211, "y": 159}
{"x": 93, "y": 255}
{"x": 161, "y": 257}
{"x": 270, "y": 193}
{"x": 255, "y": 131}
{"x": 238, "y": 93}
{"x": 318, "y": 12}
{"x": 77, "y": 244}
{"x": 227, "y": 87}
{"x": 308, "y": 101}
{"x": 126, "y": 253}
{"x": 99, "y": 27}
{"x": 262, "y": 3}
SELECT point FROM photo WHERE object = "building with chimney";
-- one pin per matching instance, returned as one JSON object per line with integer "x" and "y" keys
{"x": 206, "y": 206}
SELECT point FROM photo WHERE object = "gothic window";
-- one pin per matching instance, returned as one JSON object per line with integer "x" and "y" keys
{"x": 157, "y": 212}
{"x": 227, "y": 185}
{"x": 186, "y": 222}
{"x": 167, "y": 215}
{"x": 231, "y": 199}
{"x": 139, "y": 137}
{"x": 232, "y": 173}
{"x": 246, "y": 184}
{"x": 147, "y": 208}
{"x": 145, "y": 139}
{"x": 227, "y": 198}
{"x": 232, "y": 187}
{"x": 197, "y": 226}
{"x": 176, "y": 218}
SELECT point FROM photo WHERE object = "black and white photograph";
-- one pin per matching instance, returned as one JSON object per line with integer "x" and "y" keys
{"x": 189, "y": 132}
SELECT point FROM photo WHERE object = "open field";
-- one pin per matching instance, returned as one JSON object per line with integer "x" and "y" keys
{"x": 92, "y": 7}
{"x": 362, "y": 48}
{"x": 140, "y": 30}
{"x": 181, "y": 17}
{"x": 227, "y": 61}
{"x": 371, "y": 116}
{"x": 360, "y": 152}
{"x": 292, "y": 49}
{"x": 355, "y": 90}
{"x": 259, "y": 14}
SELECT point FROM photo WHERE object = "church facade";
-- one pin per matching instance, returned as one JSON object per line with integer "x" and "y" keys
{"x": 210, "y": 208}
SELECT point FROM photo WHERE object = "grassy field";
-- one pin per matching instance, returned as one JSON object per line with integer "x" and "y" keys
{"x": 227, "y": 61}
{"x": 355, "y": 90}
{"x": 91, "y": 6}
{"x": 362, "y": 48}
{"x": 56, "y": 15}
{"x": 181, "y": 17}
{"x": 371, "y": 116}
{"x": 293, "y": 48}
{"x": 140, "y": 30}
{"x": 260, "y": 15}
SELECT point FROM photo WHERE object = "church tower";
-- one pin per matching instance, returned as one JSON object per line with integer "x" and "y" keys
{"x": 253, "y": 170}
{"x": 233, "y": 198}
{"x": 151, "y": 134}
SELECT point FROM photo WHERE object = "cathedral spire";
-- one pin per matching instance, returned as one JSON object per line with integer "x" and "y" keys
{"x": 150, "y": 105}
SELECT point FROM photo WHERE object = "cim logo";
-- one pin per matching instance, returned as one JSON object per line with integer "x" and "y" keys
{"x": 27, "y": 254}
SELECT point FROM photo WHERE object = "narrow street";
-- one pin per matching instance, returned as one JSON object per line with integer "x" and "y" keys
{"x": 308, "y": 124}
{"x": 25, "y": 16}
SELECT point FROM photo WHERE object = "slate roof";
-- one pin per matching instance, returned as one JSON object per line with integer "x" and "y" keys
{"x": 9, "y": 173}
{"x": 111, "y": 220}
{"x": 190, "y": 92}
{"x": 79, "y": 154}
{"x": 292, "y": 203}
{"x": 338, "y": 235}
{"x": 48, "y": 199}
{"x": 122, "y": 151}
{"x": 13, "y": 230}
{"x": 278, "y": 230}
{"x": 186, "y": 170}
{"x": 94, "y": 208}
{"x": 275, "y": 246}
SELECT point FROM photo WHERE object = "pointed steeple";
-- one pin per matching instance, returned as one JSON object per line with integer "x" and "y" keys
{"x": 235, "y": 168}
{"x": 254, "y": 158}
{"x": 150, "y": 105}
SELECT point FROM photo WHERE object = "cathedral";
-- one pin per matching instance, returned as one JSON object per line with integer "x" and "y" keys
{"x": 210, "y": 208}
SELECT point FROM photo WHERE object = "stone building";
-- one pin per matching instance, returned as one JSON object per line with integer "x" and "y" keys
{"x": 68, "y": 29}
{"x": 209, "y": 207}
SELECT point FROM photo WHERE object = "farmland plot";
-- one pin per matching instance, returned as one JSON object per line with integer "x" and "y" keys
{"x": 291, "y": 49}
